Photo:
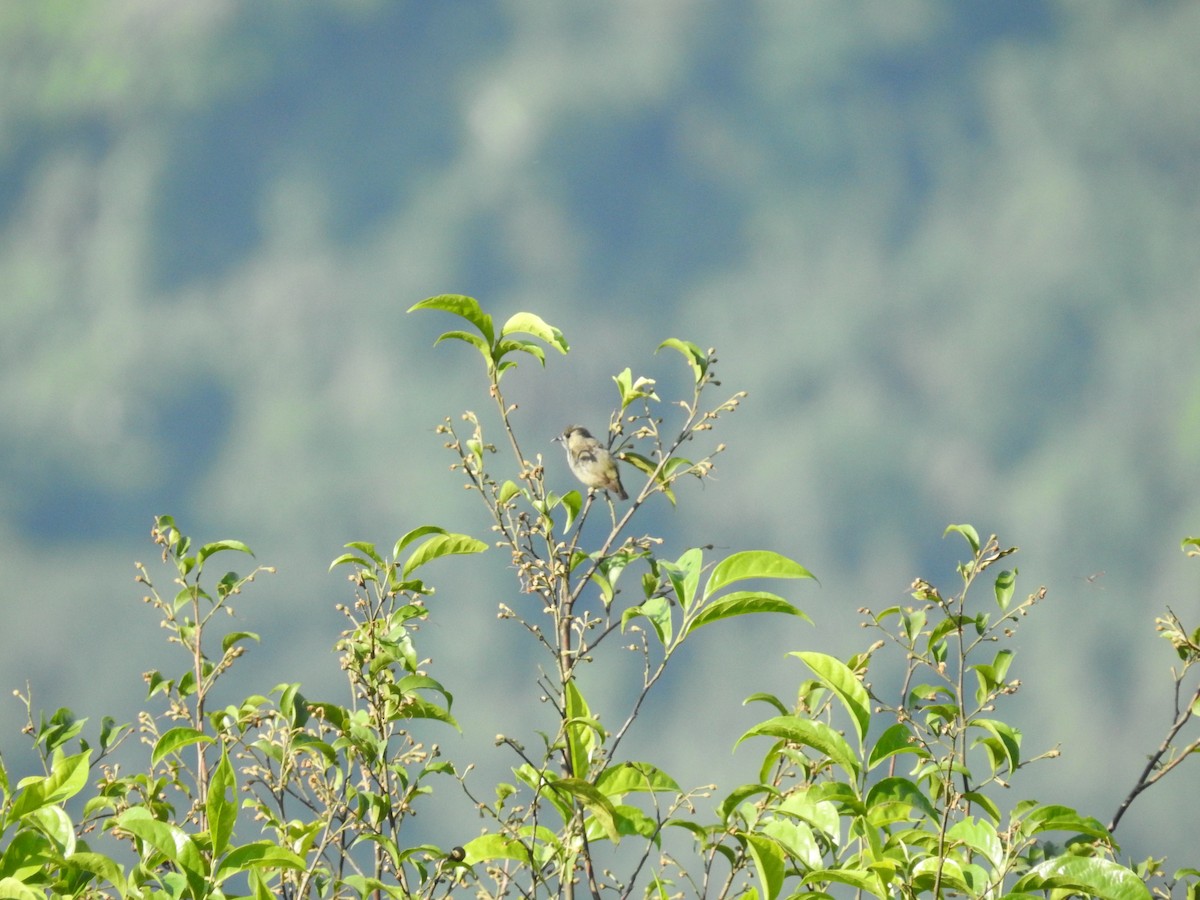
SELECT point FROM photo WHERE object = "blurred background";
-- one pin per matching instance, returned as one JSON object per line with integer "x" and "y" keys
{"x": 950, "y": 250}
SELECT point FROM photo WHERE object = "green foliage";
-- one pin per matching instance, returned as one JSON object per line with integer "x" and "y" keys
{"x": 864, "y": 784}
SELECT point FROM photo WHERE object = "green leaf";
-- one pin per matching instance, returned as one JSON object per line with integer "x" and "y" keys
{"x": 768, "y": 863}
{"x": 508, "y": 346}
{"x": 628, "y": 820}
{"x": 1091, "y": 876}
{"x": 622, "y": 778}
{"x": 966, "y": 531}
{"x": 235, "y": 637}
{"x": 863, "y": 880}
{"x": 474, "y": 340}
{"x": 649, "y": 467}
{"x": 572, "y": 502}
{"x": 528, "y": 323}
{"x": 897, "y": 739}
{"x": 797, "y": 840}
{"x": 981, "y": 837}
{"x": 836, "y": 676}
{"x": 217, "y": 546}
{"x": 68, "y": 775}
{"x": 595, "y": 802}
{"x": 465, "y": 307}
{"x": 809, "y": 733}
{"x": 695, "y": 357}
{"x": 631, "y": 390}
{"x": 15, "y": 889}
{"x": 1004, "y": 745}
{"x": 99, "y": 865}
{"x": 175, "y": 739}
{"x": 1006, "y": 582}
{"x": 684, "y": 575}
{"x": 1062, "y": 818}
{"x": 658, "y": 611}
{"x": 901, "y": 791}
{"x": 169, "y": 840}
{"x": 741, "y": 603}
{"x": 442, "y": 545}
{"x": 753, "y": 564}
{"x": 221, "y": 805}
{"x": 771, "y": 699}
{"x": 508, "y": 490}
{"x": 581, "y": 730}
{"x": 496, "y": 846}
{"x": 408, "y": 537}
{"x": 258, "y": 854}
{"x": 740, "y": 795}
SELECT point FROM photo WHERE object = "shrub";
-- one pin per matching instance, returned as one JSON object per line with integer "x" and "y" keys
{"x": 863, "y": 789}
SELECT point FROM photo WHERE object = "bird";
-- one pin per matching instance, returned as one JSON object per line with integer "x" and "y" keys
{"x": 590, "y": 461}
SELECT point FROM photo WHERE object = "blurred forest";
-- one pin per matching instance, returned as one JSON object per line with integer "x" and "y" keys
{"x": 949, "y": 249}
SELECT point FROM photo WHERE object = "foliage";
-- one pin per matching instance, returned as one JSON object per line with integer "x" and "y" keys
{"x": 862, "y": 789}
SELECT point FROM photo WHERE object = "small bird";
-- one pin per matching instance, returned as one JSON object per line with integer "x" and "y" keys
{"x": 590, "y": 461}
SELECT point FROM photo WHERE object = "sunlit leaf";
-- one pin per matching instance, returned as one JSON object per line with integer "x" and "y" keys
{"x": 836, "y": 676}
{"x": 768, "y": 863}
{"x": 529, "y": 323}
{"x": 809, "y": 733}
{"x": 741, "y": 603}
{"x": 626, "y": 777}
{"x": 753, "y": 564}
{"x": 221, "y": 805}
{"x": 442, "y": 545}
{"x": 1006, "y": 583}
{"x": 695, "y": 357}
{"x": 1091, "y": 876}
{"x": 658, "y": 611}
{"x": 465, "y": 307}
{"x": 174, "y": 739}
{"x": 217, "y": 546}
{"x": 966, "y": 531}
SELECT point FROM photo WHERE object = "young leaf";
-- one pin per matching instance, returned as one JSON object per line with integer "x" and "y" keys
{"x": 217, "y": 546}
{"x": 474, "y": 340}
{"x": 1006, "y": 582}
{"x": 442, "y": 545}
{"x": 508, "y": 345}
{"x": 836, "y": 676}
{"x": 684, "y": 576}
{"x": 753, "y": 564}
{"x": 465, "y": 307}
{"x": 901, "y": 791}
{"x": 622, "y": 778}
{"x": 741, "y": 603}
{"x": 658, "y": 611}
{"x": 528, "y": 323}
{"x": 174, "y": 739}
{"x": 596, "y": 803}
{"x": 631, "y": 390}
{"x": 896, "y": 739}
{"x": 966, "y": 531}
{"x": 695, "y": 357}
{"x": 409, "y": 537}
{"x": 581, "y": 729}
{"x": 808, "y": 733}
{"x": 1089, "y": 876}
{"x": 768, "y": 862}
{"x": 222, "y": 805}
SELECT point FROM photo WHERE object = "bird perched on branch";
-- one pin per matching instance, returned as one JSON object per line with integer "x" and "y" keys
{"x": 591, "y": 462}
